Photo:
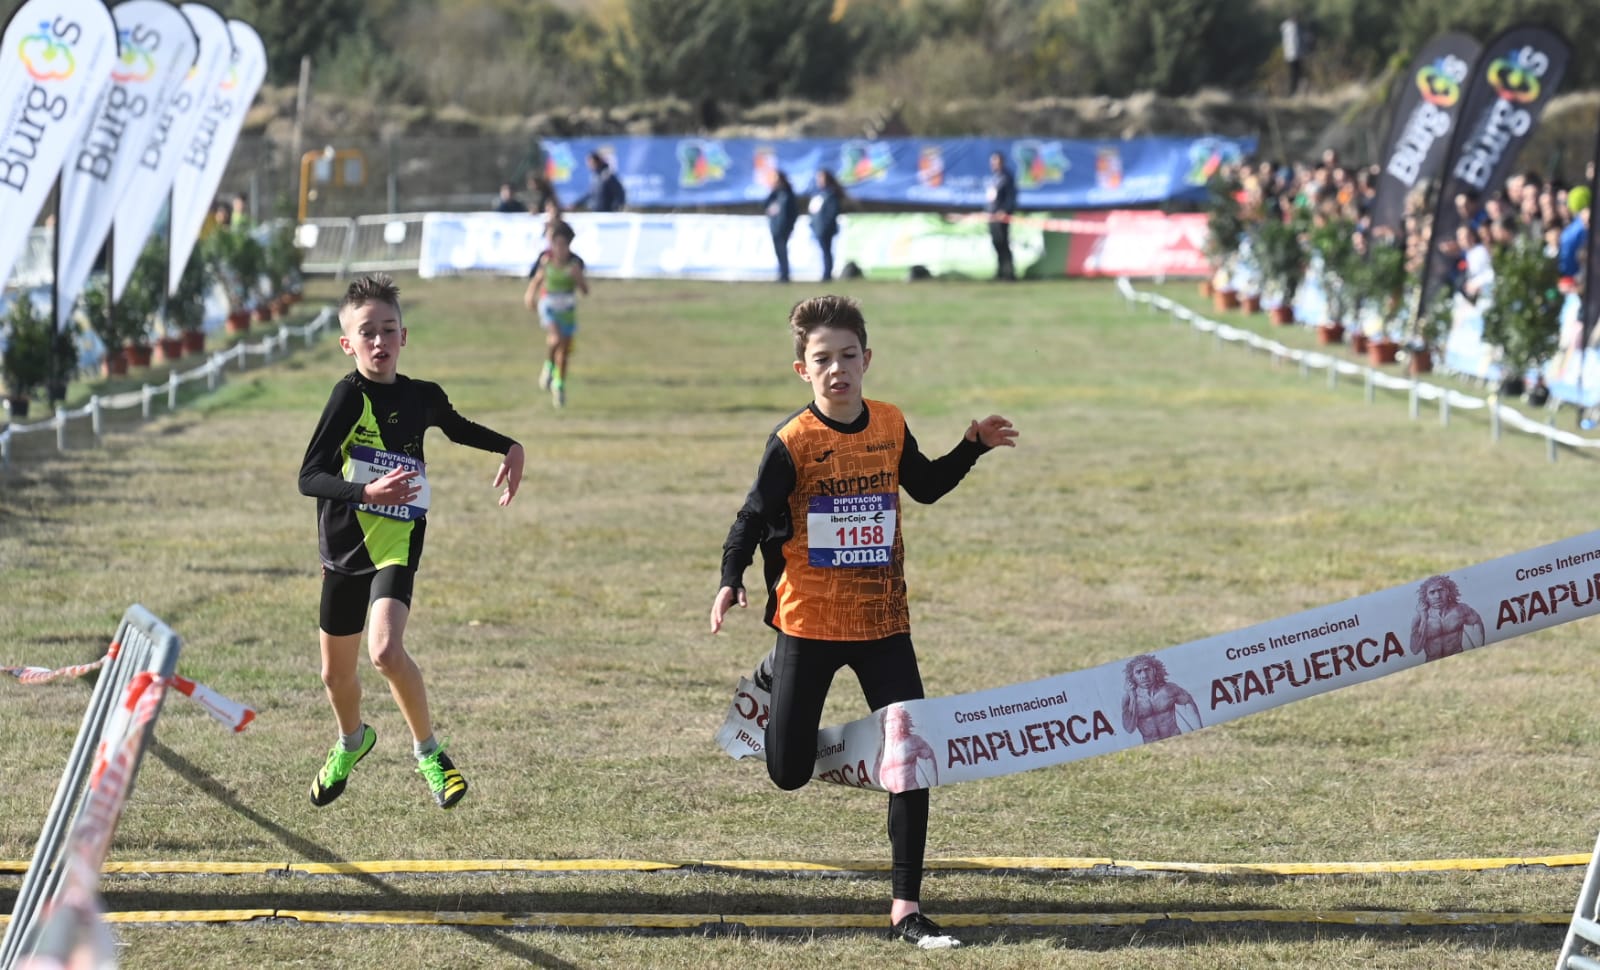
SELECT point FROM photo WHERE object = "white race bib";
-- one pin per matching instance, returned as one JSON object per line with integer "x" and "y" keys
{"x": 851, "y": 530}
{"x": 370, "y": 464}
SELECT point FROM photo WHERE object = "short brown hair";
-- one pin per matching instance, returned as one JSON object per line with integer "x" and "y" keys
{"x": 377, "y": 288}
{"x": 837, "y": 312}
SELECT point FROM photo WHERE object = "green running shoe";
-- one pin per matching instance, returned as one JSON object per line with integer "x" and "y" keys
{"x": 329, "y": 783}
{"x": 444, "y": 779}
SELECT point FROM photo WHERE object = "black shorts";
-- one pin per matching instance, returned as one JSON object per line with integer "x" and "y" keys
{"x": 346, "y": 598}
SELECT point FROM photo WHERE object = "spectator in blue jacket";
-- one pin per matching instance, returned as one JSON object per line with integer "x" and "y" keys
{"x": 606, "y": 193}
{"x": 824, "y": 208}
{"x": 1570, "y": 251}
{"x": 782, "y": 211}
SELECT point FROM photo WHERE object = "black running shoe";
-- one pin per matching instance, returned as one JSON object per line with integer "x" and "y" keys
{"x": 924, "y": 933}
{"x": 762, "y": 677}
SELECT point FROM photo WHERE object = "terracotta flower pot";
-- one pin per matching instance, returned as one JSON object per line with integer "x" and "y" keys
{"x": 1382, "y": 351}
{"x": 170, "y": 348}
{"x": 1225, "y": 299}
{"x": 115, "y": 362}
{"x": 263, "y": 312}
{"x": 239, "y": 321}
{"x": 1282, "y": 315}
{"x": 1358, "y": 342}
{"x": 139, "y": 354}
{"x": 1205, "y": 288}
{"x": 194, "y": 341}
{"x": 1420, "y": 362}
{"x": 1330, "y": 333}
{"x": 1251, "y": 303}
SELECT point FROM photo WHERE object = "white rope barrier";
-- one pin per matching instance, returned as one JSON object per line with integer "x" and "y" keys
{"x": 1500, "y": 415}
{"x": 269, "y": 348}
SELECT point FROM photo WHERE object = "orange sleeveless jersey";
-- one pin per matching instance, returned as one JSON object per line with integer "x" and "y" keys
{"x": 844, "y": 566}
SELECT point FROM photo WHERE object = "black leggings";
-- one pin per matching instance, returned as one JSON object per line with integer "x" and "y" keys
{"x": 802, "y": 672}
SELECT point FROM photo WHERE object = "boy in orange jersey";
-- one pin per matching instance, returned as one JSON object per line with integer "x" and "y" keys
{"x": 837, "y": 596}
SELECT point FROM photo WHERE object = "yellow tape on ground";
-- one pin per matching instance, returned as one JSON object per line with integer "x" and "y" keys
{"x": 1053, "y": 863}
{"x": 850, "y": 921}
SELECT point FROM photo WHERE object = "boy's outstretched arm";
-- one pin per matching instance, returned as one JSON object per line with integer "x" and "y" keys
{"x": 992, "y": 432}
{"x": 510, "y": 475}
{"x": 720, "y": 607}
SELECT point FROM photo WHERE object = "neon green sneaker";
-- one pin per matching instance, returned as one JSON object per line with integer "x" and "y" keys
{"x": 444, "y": 779}
{"x": 329, "y": 783}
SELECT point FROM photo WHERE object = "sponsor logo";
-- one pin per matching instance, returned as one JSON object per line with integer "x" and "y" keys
{"x": 558, "y": 163}
{"x": 824, "y": 456}
{"x": 1515, "y": 77}
{"x": 1319, "y": 665}
{"x": 1108, "y": 168}
{"x": 930, "y": 166}
{"x": 864, "y": 161}
{"x": 1207, "y": 156}
{"x": 46, "y": 55}
{"x": 1038, "y": 738}
{"x": 1440, "y": 82}
{"x": 136, "y": 63}
{"x": 856, "y": 484}
{"x": 765, "y": 170}
{"x": 1527, "y": 607}
{"x": 701, "y": 162}
{"x": 1039, "y": 163}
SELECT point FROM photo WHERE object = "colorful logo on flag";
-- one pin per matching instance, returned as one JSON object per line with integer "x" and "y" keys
{"x": 1206, "y": 158}
{"x": 930, "y": 166}
{"x": 1039, "y": 163}
{"x": 1438, "y": 85}
{"x": 1515, "y": 77}
{"x": 701, "y": 163}
{"x": 44, "y": 57}
{"x": 136, "y": 62}
{"x": 558, "y": 164}
{"x": 1108, "y": 167}
{"x": 864, "y": 161}
{"x": 231, "y": 81}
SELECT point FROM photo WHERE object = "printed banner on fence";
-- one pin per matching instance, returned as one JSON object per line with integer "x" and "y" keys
{"x": 158, "y": 49}
{"x": 1426, "y": 105}
{"x": 151, "y": 185}
{"x": 206, "y": 157}
{"x": 55, "y": 60}
{"x": 684, "y": 172}
{"x": 886, "y": 246}
{"x": 1140, "y": 244}
{"x": 1153, "y": 696}
{"x": 1517, "y": 74}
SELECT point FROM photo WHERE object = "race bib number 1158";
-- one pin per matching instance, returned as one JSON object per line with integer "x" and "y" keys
{"x": 853, "y": 530}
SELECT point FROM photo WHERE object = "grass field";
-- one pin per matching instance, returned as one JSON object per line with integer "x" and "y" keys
{"x": 1163, "y": 490}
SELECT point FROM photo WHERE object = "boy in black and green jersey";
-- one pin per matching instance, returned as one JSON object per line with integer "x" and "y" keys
{"x": 366, "y": 469}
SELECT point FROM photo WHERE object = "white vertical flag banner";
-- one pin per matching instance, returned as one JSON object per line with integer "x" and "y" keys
{"x": 205, "y": 159}
{"x": 158, "y": 48}
{"x": 55, "y": 60}
{"x": 157, "y": 164}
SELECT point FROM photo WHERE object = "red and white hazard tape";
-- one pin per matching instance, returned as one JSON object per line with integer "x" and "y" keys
{"x": 229, "y": 713}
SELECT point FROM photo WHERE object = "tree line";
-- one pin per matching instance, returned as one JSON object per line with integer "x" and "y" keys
{"x": 511, "y": 57}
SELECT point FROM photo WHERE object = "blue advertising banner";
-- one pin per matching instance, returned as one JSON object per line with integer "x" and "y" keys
{"x": 679, "y": 172}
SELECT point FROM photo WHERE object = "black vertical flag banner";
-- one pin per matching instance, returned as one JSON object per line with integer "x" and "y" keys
{"x": 1591, "y": 263}
{"x": 1517, "y": 74}
{"x": 1427, "y": 104}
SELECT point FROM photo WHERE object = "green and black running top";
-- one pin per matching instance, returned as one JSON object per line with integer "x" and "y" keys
{"x": 366, "y": 430}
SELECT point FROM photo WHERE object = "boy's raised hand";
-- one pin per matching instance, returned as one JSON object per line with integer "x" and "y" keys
{"x": 992, "y": 432}
{"x": 726, "y": 597}
{"x": 510, "y": 475}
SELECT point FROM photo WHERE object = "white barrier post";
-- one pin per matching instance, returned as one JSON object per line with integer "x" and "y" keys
{"x": 1444, "y": 410}
{"x": 1416, "y": 402}
{"x": 96, "y": 420}
{"x": 1372, "y": 393}
{"x": 146, "y": 392}
{"x": 212, "y": 372}
{"x": 1494, "y": 417}
{"x": 61, "y": 428}
{"x": 1550, "y": 438}
{"x": 172, "y": 391}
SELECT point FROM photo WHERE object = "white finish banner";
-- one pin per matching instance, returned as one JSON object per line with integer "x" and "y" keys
{"x": 158, "y": 49}
{"x": 944, "y": 740}
{"x": 622, "y": 245}
{"x": 55, "y": 60}
{"x": 206, "y": 156}
{"x": 157, "y": 164}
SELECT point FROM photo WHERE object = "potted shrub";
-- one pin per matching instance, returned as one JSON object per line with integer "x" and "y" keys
{"x": 1382, "y": 278}
{"x": 1523, "y": 315}
{"x": 36, "y": 355}
{"x": 1277, "y": 250}
{"x": 1224, "y": 231}
{"x": 282, "y": 258}
{"x": 1430, "y": 330}
{"x": 111, "y": 328}
{"x": 186, "y": 309}
{"x": 146, "y": 284}
{"x": 1333, "y": 240}
{"x": 234, "y": 259}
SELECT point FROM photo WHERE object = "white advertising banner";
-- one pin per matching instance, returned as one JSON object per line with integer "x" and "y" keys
{"x": 206, "y": 155}
{"x": 623, "y": 245}
{"x": 158, "y": 49}
{"x": 944, "y": 740}
{"x": 55, "y": 60}
{"x": 157, "y": 164}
